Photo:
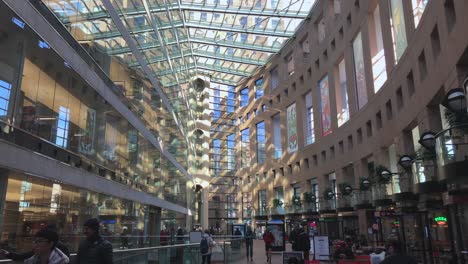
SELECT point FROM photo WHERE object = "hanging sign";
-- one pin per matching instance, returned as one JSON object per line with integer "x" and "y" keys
{"x": 440, "y": 220}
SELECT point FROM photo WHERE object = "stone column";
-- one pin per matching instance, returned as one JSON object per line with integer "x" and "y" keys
{"x": 204, "y": 208}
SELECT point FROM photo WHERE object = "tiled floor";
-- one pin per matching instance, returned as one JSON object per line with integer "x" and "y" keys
{"x": 259, "y": 254}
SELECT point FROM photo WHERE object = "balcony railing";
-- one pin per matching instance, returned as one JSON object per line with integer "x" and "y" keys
{"x": 380, "y": 194}
{"x": 452, "y": 156}
{"x": 231, "y": 250}
{"x": 344, "y": 202}
{"x": 327, "y": 205}
{"x": 361, "y": 199}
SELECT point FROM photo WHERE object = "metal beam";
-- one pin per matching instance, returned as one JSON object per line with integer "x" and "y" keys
{"x": 192, "y": 24}
{"x": 219, "y": 68}
{"x": 201, "y": 72}
{"x": 130, "y": 12}
{"x": 133, "y": 31}
{"x": 198, "y": 40}
{"x": 204, "y": 54}
{"x": 234, "y": 44}
{"x": 238, "y": 29}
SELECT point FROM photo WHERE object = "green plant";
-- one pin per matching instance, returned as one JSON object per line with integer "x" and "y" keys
{"x": 362, "y": 186}
{"x": 308, "y": 197}
{"x": 345, "y": 188}
{"x": 456, "y": 119}
{"x": 296, "y": 200}
{"x": 378, "y": 175}
{"x": 277, "y": 203}
{"x": 328, "y": 194}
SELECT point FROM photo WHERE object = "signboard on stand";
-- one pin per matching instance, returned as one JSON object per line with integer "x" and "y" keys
{"x": 321, "y": 248}
{"x": 277, "y": 228}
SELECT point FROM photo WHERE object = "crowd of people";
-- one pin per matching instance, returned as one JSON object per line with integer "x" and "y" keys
{"x": 47, "y": 248}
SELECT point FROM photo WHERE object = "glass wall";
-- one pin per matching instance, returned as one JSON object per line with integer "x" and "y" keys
{"x": 33, "y": 203}
{"x": 44, "y": 98}
{"x": 309, "y": 120}
{"x": 278, "y": 149}
{"x": 261, "y": 141}
{"x": 245, "y": 148}
{"x": 379, "y": 70}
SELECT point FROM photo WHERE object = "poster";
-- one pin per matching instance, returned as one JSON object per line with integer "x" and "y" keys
{"x": 88, "y": 125}
{"x": 359, "y": 72}
{"x": 398, "y": 28}
{"x": 325, "y": 106}
{"x": 292, "y": 128}
{"x": 321, "y": 248}
{"x": 277, "y": 228}
{"x": 241, "y": 228}
{"x": 293, "y": 257}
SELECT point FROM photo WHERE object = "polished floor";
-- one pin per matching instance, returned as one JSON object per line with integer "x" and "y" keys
{"x": 259, "y": 254}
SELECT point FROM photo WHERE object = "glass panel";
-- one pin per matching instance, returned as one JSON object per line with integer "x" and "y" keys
{"x": 261, "y": 140}
{"x": 309, "y": 120}
{"x": 278, "y": 149}
{"x": 245, "y": 148}
{"x": 377, "y": 50}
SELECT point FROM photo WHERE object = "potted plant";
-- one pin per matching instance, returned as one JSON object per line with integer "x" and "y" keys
{"x": 277, "y": 203}
{"x": 296, "y": 200}
{"x": 309, "y": 197}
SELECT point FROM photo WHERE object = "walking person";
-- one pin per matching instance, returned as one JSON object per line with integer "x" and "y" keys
{"x": 93, "y": 249}
{"x": 293, "y": 236}
{"x": 303, "y": 242}
{"x": 206, "y": 245}
{"x": 45, "y": 250}
{"x": 269, "y": 239}
{"x": 397, "y": 255}
{"x": 249, "y": 235}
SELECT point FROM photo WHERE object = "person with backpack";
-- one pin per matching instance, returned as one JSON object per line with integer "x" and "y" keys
{"x": 249, "y": 236}
{"x": 269, "y": 239}
{"x": 206, "y": 245}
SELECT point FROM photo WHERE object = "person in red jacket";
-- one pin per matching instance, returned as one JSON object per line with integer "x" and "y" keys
{"x": 269, "y": 239}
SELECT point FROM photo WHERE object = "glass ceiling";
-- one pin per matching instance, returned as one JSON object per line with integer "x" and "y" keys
{"x": 224, "y": 40}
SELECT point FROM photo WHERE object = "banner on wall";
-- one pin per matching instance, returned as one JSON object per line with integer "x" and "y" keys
{"x": 399, "y": 31}
{"x": 292, "y": 128}
{"x": 325, "y": 106}
{"x": 359, "y": 72}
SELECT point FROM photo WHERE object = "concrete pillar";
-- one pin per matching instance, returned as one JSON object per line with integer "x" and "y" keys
{"x": 3, "y": 191}
{"x": 154, "y": 225}
{"x": 204, "y": 208}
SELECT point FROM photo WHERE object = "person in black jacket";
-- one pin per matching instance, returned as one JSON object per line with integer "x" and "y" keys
{"x": 303, "y": 242}
{"x": 397, "y": 255}
{"x": 249, "y": 236}
{"x": 94, "y": 249}
{"x": 293, "y": 238}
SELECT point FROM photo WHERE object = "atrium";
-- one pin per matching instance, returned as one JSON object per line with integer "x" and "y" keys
{"x": 345, "y": 117}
